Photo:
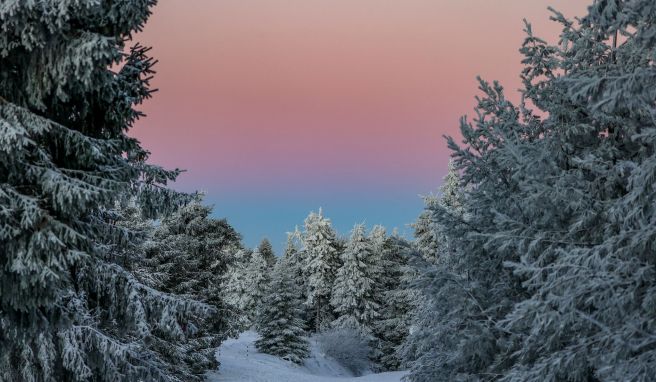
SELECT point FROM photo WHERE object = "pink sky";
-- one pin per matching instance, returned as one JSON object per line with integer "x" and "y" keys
{"x": 324, "y": 97}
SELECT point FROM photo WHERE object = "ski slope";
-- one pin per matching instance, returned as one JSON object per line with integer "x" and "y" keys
{"x": 240, "y": 362}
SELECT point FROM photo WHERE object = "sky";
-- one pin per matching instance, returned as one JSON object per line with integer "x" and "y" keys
{"x": 276, "y": 108}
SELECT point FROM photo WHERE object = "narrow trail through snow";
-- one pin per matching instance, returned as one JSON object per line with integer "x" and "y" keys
{"x": 241, "y": 362}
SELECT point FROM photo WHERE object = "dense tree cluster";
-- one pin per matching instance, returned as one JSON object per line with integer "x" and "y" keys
{"x": 544, "y": 268}
{"x": 79, "y": 297}
{"x": 361, "y": 285}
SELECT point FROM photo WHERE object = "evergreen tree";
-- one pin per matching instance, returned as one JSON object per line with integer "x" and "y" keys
{"x": 279, "y": 320}
{"x": 425, "y": 230}
{"x": 295, "y": 263}
{"x": 380, "y": 253}
{"x": 257, "y": 278}
{"x": 235, "y": 288}
{"x": 354, "y": 291}
{"x": 555, "y": 273}
{"x": 266, "y": 250}
{"x": 430, "y": 239}
{"x": 586, "y": 242}
{"x": 448, "y": 328}
{"x": 320, "y": 249}
{"x": 451, "y": 195}
{"x": 169, "y": 340}
{"x": 188, "y": 258}
{"x": 68, "y": 88}
{"x": 396, "y": 298}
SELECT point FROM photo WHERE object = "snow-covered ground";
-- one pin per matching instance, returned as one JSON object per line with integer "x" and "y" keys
{"x": 241, "y": 362}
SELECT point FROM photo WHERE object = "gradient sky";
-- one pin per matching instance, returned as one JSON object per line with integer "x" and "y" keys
{"x": 279, "y": 107}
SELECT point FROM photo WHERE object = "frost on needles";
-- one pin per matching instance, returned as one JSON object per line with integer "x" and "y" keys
{"x": 550, "y": 269}
{"x": 74, "y": 302}
{"x": 279, "y": 321}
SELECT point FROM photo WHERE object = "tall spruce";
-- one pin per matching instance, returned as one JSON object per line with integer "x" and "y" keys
{"x": 279, "y": 320}
{"x": 188, "y": 258}
{"x": 426, "y": 234}
{"x": 266, "y": 250}
{"x": 168, "y": 340}
{"x": 380, "y": 252}
{"x": 68, "y": 89}
{"x": 258, "y": 275}
{"x": 321, "y": 252}
{"x": 587, "y": 242}
{"x": 449, "y": 333}
{"x": 295, "y": 264}
{"x": 235, "y": 286}
{"x": 354, "y": 291}
{"x": 396, "y": 298}
{"x": 555, "y": 278}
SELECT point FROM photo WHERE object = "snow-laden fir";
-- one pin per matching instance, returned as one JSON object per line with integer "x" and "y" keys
{"x": 353, "y": 290}
{"x": 280, "y": 320}
{"x": 548, "y": 272}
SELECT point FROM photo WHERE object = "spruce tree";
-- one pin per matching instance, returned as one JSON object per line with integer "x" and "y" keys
{"x": 587, "y": 246}
{"x": 169, "y": 340}
{"x": 426, "y": 234}
{"x": 430, "y": 239}
{"x": 258, "y": 275}
{"x": 266, "y": 250}
{"x": 235, "y": 288}
{"x": 449, "y": 333}
{"x": 555, "y": 271}
{"x": 295, "y": 263}
{"x": 396, "y": 298}
{"x": 188, "y": 258}
{"x": 279, "y": 321}
{"x": 321, "y": 252}
{"x": 68, "y": 89}
{"x": 354, "y": 291}
{"x": 380, "y": 252}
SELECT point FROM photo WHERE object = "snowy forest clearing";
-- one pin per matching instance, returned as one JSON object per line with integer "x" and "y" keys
{"x": 241, "y": 362}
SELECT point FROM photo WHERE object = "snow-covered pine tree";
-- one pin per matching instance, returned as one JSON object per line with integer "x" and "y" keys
{"x": 266, "y": 250}
{"x": 379, "y": 256}
{"x": 167, "y": 339}
{"x": 295, "y": 262}
{"x": 451, "y": 195}
{"x": 428, "y": 236}
{"x": 258, "y": 275}
{"x": 425, "y": 230}
{"x": 450, "y": 200}
{"x": 188, "y": 258}
{"x": 279, "y": 320}
{"x": 321, "y": 253}
{"x": 235, "y": 286}
{"x": 354, "y": 292}
{"x": 396, "y": 298}
{"x": 449, "y": 333}
{"x": 564, "y": 199}
{"x": 68, "y": 88}
{"x": 586, "y": 229}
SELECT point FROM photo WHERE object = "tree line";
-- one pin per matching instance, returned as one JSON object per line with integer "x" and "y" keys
{"x": 325, "y": 282}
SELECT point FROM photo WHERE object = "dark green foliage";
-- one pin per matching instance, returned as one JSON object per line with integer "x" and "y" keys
{"x": 188, "y": 257}
{"x": 266, "y": 250}
{"x": 68, "y": 90}
{"x": 396, "y": 299}
{"x": 279, "y": 320}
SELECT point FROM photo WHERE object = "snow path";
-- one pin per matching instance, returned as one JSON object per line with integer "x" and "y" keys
{"x": 240, "y": 362}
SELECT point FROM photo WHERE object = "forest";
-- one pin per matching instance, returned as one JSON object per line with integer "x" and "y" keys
{"x": 534, "y": 261}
